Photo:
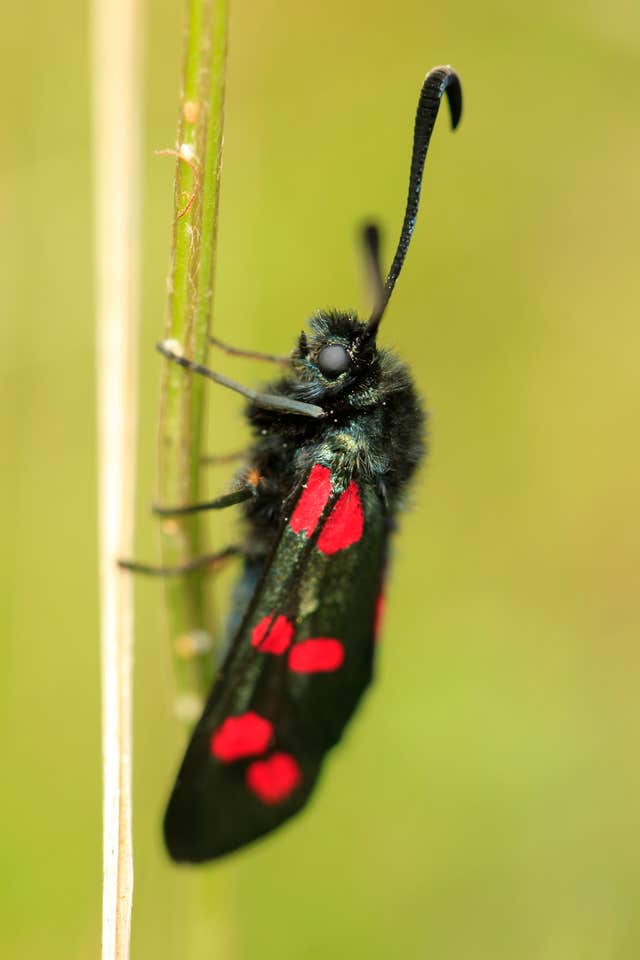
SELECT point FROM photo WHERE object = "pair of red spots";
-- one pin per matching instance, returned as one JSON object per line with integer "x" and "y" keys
{"x": 315, "y": 655}
{"x": 248, "y": 735}
{"x": 345, "y": 523}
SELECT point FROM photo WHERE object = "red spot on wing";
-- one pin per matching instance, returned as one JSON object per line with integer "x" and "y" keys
{"x": 242, "y": 736}
{"x": 272, "y": 635}
{"x": 318, "y": 655}
{"x": 312, "y": 501}
{"x": 345, "y": 523}
{"x": 274, "y": 779}
{"x": 378, "y": 615}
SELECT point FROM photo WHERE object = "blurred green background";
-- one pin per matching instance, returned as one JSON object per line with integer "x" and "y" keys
{"x": 486, "y": 803}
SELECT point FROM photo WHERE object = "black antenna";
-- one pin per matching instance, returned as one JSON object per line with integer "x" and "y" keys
{"x": 438, "y": 81}
{"x": 370, "y": 240}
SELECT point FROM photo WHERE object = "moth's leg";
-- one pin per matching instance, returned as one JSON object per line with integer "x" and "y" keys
{"x": 170, "y": 349}
{"x": 212, "y": 560}
{"x": 370, "y": 238}
{"x": 250, "y": 354}
{"x": 220, "y": 503}
{"x": 220, "y": 459}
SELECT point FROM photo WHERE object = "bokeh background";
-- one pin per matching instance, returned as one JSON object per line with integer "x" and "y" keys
{"x": 486, "y": 802}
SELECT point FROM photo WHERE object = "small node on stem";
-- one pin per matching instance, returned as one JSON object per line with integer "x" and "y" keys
{"x": 170, "y": 527}
{"x": 195, "y": 643}
{"x": 187, "y": 155}
{"x": 191, "y": 111}
{"x": 188, "y": 707}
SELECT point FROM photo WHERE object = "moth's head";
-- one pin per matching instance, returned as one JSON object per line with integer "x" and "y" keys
{"x": 335, "y": 353}
{"x": 338, "y": 357}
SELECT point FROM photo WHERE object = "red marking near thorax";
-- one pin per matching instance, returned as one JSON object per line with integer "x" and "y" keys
{"x": 345, "y": 523}
{"x": 317, "y": 655}
{"x": 272, "y": 635}
{"x": 242, "y": 736}
{"x": 274, "y": 779}
{"x": 313, "y": 500}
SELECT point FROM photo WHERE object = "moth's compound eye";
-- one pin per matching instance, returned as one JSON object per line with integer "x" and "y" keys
{"x": 333, "y": 361}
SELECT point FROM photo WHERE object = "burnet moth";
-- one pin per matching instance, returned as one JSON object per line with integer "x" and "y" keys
{"x": 336, "y": 440}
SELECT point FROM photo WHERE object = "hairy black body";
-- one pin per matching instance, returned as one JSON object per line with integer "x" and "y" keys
{"x": 373, "y": 429}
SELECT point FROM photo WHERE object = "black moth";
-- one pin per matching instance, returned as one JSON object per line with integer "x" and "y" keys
{"x": 336, "y": 441}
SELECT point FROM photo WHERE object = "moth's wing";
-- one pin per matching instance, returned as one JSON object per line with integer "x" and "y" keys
{"x": 293, "y": 676}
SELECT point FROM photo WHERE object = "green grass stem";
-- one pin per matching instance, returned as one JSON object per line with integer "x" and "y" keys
{"x": 190, "y": 296}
